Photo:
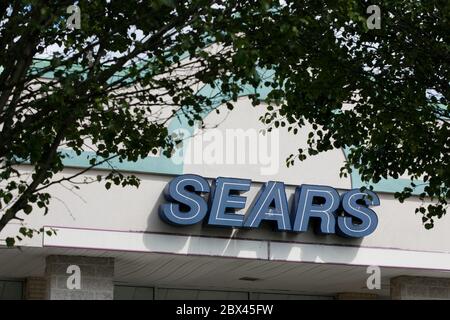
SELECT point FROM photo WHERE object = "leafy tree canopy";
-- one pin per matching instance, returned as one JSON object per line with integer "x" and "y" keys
{"x": 112, "y": 84}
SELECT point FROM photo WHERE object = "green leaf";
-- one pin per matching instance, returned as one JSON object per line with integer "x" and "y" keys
{"x": 27, "y": 209}
{"x": 10, "y": 241}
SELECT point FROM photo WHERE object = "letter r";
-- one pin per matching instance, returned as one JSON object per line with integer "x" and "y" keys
{"x": 318, "y": 203}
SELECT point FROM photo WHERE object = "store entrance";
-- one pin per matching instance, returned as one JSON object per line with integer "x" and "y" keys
{"x": 152, "y": 293}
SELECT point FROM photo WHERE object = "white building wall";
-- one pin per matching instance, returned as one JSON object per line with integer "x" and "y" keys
{"x": 136, "y": 210}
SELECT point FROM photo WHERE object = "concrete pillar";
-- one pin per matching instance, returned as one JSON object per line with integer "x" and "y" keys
{"x": 35, "y": 288}
{"x": 95, "y": 278}
{"x": 423, "y": 288}
{"x": 356, "y": 296}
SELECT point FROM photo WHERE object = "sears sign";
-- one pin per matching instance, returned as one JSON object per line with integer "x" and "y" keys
{"x": 347, "y": 215}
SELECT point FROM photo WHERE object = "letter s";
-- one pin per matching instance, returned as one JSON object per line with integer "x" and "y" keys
{"x": 183, "y": 191}
{"x": 355, "y": 204}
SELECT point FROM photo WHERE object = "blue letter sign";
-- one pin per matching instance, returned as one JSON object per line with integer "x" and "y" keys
{"x": 271, "y": 193}
{"x": 183, "y": 191}
{"x": 223, "y": 199}
{"x": 318, "y": 202}
{"x": 367, "y": 217}
{"x": 346, "y": 215}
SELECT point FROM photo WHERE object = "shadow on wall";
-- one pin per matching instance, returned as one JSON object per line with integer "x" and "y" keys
{"x": 263, "y": 243}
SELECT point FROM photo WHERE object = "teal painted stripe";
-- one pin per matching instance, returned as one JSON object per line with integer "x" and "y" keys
{"x": 162, "y": 165}
{"x": 390, "y": 185}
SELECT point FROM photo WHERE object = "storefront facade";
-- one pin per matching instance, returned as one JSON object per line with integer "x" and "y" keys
{"x": 121, "y": 246}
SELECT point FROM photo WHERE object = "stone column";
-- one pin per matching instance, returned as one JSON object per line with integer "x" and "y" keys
{"x": 413, "y": 288}
{"x": 35, "y": 288}
{"x": 95, "y": 278}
